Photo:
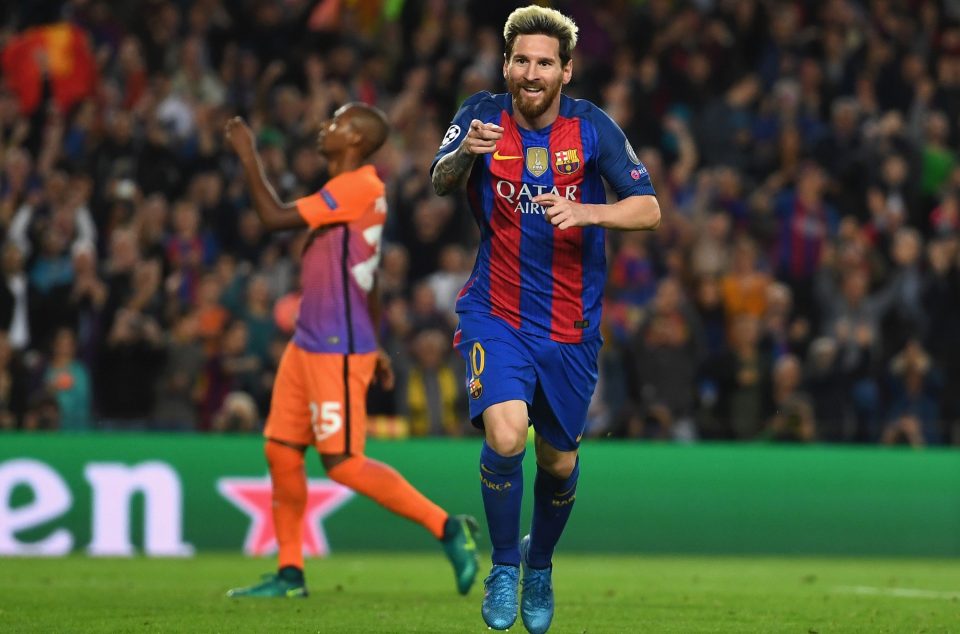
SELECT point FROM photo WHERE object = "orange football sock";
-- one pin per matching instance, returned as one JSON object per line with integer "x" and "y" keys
{"x": 289, "y": 501}
{"x": 385, "y": 486}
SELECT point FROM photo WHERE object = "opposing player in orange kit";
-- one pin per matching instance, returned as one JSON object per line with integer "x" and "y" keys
{"x": 319, "y": 397}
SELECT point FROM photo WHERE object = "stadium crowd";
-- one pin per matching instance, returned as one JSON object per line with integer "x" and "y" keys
{"x": 804, "y": 286}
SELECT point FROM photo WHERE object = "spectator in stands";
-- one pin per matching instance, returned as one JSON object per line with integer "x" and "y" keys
{"x": 14, "y": 385}
{"x": 744, "y": 287}
{"x": 941, "y": 299}
{"x": 14, "y": 297}
{"x": 42, "y": 413}
{"x": 783, "y": 331}
{"x": 913, "y": 416}
{"x": 667, "y": 353}
{"x": 178, "y": 385}
{"x": 257, "y": 315}
{"x": 708, "y": 303}
{"x": 394, "y": 270}
{"x": 88, "y": 297}
{"x": 68, "y": 380}
{"x": 131, "y": 357}
{"x": 793, "y": 413}
{"x": 51, "y": 278}
{"x": 742, "y": 377}
{"x": 446, "y": 282}
{"x": 425, "y": 314}
{"x": 829, "y": 389}
{"x": 840, "y": 151}
{"x": 711, "y": 251}
{"x": 433, "y": 392}
{"x": 806, "y": 221}
{"x": 189, "y": 252}
{"x": 237, "y": 414}
{"x": 905, "y": 317}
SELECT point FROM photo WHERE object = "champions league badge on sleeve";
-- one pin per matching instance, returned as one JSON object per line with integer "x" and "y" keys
{"x": 630, "y": 153}
{"x": 452, "y": 133}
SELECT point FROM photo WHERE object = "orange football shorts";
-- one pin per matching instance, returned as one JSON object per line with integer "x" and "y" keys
{"x": 320, "y": 399}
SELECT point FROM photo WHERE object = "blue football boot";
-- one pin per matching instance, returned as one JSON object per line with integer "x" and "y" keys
{"x": 536, "y": 597}
{"x": 499, "y": 607}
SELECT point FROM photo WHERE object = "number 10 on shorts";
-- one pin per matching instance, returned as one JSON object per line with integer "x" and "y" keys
{"x": 330, "y": 418}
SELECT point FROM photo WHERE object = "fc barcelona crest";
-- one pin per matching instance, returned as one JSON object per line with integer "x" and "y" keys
{"x": 567, "y": 161}
{"x": 537, "y": 160}
{"x": 475, "y": 387}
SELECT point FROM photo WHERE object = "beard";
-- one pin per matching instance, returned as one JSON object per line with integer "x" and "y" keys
{"x": 532, "y": 106}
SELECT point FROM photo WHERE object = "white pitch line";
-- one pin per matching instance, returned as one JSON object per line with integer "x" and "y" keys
{"x": 902, "y": 593}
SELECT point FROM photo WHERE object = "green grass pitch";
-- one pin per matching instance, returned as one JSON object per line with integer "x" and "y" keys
{"x": 377, "y": 592}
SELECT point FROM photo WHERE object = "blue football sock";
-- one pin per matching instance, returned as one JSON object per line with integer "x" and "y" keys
{"x": 501, "y": 484}
{"x": 552, "y": 502}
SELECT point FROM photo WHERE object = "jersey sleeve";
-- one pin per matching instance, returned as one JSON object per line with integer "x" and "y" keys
{"x": 459, "y": 126}
{"x": 339, "y": 201}
{"x": 618, "y": 163}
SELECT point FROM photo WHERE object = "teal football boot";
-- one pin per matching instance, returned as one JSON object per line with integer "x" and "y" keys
{"x": 272, "y": 586}
{"x": 460, "y": 545}
{"x": 499, "y": 607}
{"x": 536, "y": 597}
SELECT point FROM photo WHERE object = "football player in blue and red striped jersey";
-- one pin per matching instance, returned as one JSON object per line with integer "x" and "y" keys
{"x": 533, "y": 163}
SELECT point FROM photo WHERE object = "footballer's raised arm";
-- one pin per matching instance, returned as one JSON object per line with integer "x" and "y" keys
{"x": 273, "y": 213}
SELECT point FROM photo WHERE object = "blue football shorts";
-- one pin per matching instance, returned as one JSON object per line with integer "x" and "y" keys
{"x": 555, "y": 379}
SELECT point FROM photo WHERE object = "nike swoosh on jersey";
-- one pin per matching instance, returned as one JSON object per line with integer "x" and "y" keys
{"x": 500, "y": 157}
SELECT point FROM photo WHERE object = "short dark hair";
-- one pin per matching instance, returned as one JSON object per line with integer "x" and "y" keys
{"x": 372, "y": 122}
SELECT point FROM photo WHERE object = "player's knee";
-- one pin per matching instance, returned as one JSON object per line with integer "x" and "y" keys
{"x": 505, "y": 440}
{"x": 558, "y": 464}
{"x": 329, "y": 461}
{"x": 282, "y": 457}
{"x": 505, "y": 428}
{"x": 341, "y": 468}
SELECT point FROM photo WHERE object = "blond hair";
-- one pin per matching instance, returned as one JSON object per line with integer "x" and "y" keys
{"x": 536, "y": 20}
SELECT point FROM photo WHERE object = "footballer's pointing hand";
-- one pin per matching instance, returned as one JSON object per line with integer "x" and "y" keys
{"x": 481, "y": 138}
{"x": 563, "y": 213}
{"x": 240, "y": 137}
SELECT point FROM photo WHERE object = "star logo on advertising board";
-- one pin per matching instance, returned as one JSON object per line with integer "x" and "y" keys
{"x": 253, "y": 496}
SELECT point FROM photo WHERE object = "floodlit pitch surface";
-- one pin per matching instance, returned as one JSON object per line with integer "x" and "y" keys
{"x": 414, "y": 593}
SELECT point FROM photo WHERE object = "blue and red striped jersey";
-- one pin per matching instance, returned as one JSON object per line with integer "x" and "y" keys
{"x": 537, "y": 278}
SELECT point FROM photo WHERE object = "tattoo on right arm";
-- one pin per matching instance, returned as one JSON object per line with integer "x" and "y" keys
{"x": 452, "y": 171}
